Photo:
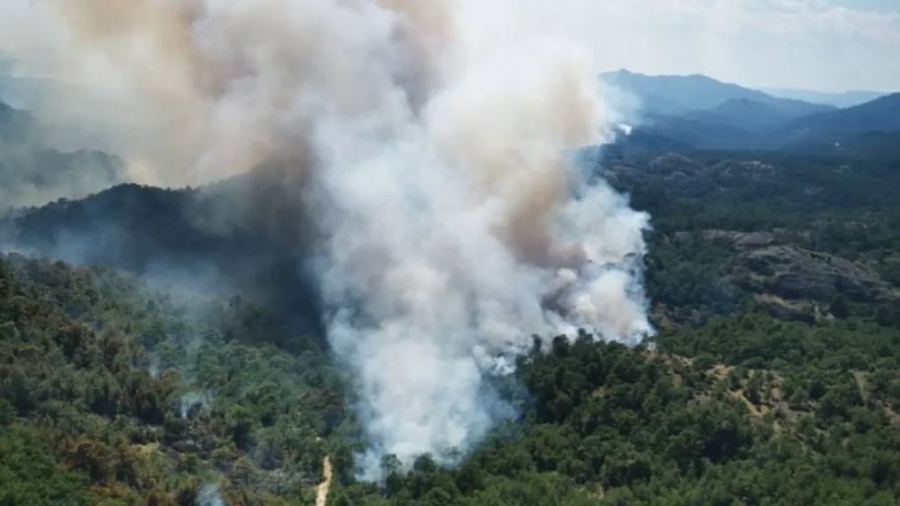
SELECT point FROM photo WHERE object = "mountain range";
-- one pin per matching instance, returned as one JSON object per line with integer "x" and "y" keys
{"x": 669, "y": 113}
{"x": 33, "y": 172}
{"x": 676, "y": 95}
{"x": 836, "y": 99}
{"x": 699, "y": 112}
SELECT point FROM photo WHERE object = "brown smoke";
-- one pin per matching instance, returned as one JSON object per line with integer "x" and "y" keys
{"x": 164, "y": 29}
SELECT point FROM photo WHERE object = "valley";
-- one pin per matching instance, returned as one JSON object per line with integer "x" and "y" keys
{"x": 774, "y": 280}
{"x": 425, "y": 254}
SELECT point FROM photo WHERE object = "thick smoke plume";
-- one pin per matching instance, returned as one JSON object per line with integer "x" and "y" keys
{"x": 435, "y": 140}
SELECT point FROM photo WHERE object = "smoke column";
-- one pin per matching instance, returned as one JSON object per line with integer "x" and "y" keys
{"x": 435, "y": 140}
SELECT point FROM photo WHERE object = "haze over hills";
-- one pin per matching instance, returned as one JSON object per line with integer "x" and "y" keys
{"x": 23, "y": 92}
{"x": 698, "y": 112}
{"x": 673, "y": 112}
{"x": 836, "y": 99}
{"x": 676, "y": 95}
{"x": 34, "y": 173}
{"x": 879, "y": 115}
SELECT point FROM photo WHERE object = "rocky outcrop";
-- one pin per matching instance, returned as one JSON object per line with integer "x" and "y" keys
{"x": 794, "y": 274}
{"x": 740, "y": 240}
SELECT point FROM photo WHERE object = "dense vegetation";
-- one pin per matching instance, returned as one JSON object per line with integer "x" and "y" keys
{"x": 622, "y": 426}
{"x": 762, "y": 387}
{"x": 729, "y": 404}
{"x": 112, "y": 391}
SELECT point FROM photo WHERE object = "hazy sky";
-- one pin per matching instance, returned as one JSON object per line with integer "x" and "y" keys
{"x": 829, "y": 45}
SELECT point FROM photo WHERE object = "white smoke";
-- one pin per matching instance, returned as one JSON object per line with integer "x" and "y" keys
{"x": 191, "y": 401}
{"x": 437, "y": 140}
{"x": 210, "y": 495}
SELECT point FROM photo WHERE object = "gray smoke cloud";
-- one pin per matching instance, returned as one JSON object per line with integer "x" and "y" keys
{"x": 436, "y": 143}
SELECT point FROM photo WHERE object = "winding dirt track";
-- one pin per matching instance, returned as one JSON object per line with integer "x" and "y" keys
{"x": 322, "y": 489}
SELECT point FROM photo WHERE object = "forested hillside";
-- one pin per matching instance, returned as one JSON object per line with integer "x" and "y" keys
{"x": 111, "y": 393}
{"x": 773, "y": 380}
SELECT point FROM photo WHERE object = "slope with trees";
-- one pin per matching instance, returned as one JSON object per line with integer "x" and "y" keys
{"x": 772, "y": 379}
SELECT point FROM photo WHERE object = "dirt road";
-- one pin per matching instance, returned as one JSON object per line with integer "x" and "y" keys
{"x": 325, "y": 486}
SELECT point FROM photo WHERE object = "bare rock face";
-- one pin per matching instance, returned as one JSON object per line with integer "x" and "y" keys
{"x": 794, "y": 274}
{"x": 673, "y": 165}
{"x": 740, "y": 240}
{"x": 754, "y": 240}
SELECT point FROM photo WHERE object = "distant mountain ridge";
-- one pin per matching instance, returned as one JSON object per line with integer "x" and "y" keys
{"x": 33, "y": 173}
{"x": 699, "y": 112}
{"x": 836, "y": 99}
{"x": 744, "y": 113}
{"x": 13, "y": 122}
{"x": 871, "y": 129}
{"x": 246, "y": 231}
{"x": 879, "y": 115}
{"x": 676, "y": 95}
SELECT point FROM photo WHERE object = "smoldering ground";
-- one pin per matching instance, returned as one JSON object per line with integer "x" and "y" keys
{"x": 437, "y": 208}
